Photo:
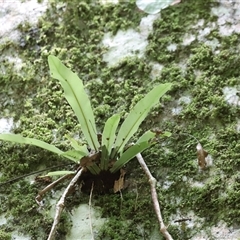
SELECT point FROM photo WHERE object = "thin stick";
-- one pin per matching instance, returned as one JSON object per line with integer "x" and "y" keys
{"x": 48, "y": 188}
{"x": 135, "y": 207}
{"x": 32, "y": 173}
{"x": 60, "y": 204}
{"x": 90, "y": 207}
{"x": 120, "y": 192}
{"x": 156, "y": 205}
{"x": 190, "y": 136}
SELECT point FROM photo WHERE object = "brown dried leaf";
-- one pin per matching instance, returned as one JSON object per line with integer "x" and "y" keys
{"x": 43, "y": 179}
{"x": 201, "y": 155}
{"x": 88, "y": 161}
{"x": 119, "y": 184}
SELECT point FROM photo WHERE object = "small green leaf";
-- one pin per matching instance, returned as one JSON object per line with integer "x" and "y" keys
{"x": 16, "y": 138}
{"x": 137, "y": 115}
{"x": 74, "y": 155}
{"x": 76, "y": 146}
{"x": 77, "y": 98}
{"x": 153, "y": 6}
{"x": 104, "y": 158}
{"x": 129, "y": 154}
{"x": 108, "y": 138}
{"x": 148, "y": 135}
{"x": 166, "y": 134}
{"x": 58, "y": 173}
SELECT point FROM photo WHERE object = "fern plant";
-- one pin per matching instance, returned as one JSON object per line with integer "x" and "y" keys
{"x": 99, "y": 157}
{"x": 110, "y": 153}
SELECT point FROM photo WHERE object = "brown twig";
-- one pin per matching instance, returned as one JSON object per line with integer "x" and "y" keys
{"x": 135, "y": 207}
{"x": 60, "y": 204}
{"x": 48, "y": 188}
{"x": 120, "y": 192}
{"x": 32, "y": 173}
{"x": 183, "y": 220}
{"x": 156, "y": 205}
{"x": 90, "y": 208}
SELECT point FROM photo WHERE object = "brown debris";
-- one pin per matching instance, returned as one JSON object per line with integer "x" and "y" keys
{"x": 119, "y": 184}
{"x": 88, "y": 161}
{"x": 201, "y": 155}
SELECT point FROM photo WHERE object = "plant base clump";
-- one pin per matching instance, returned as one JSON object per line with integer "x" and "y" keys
{"x": 103, "y": 183}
